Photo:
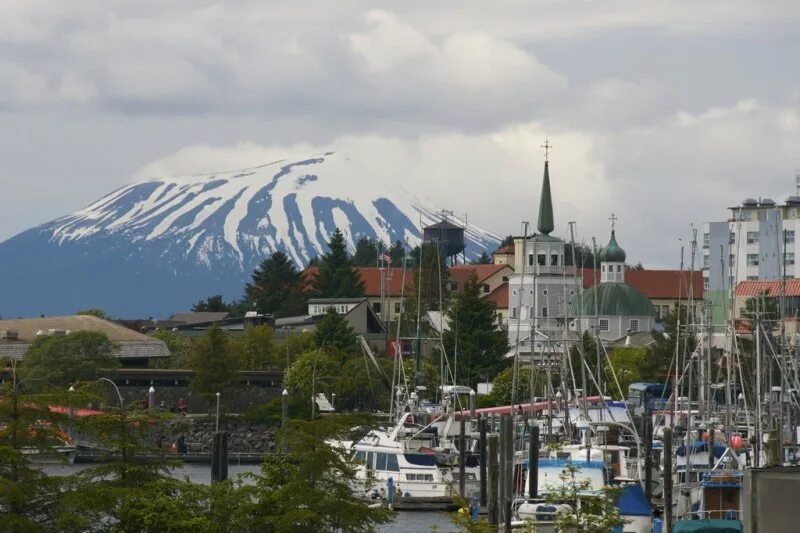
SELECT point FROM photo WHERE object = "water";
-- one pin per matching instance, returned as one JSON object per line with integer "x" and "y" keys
{"x": 419, "y": 522}
{"x": 405, "y": 522}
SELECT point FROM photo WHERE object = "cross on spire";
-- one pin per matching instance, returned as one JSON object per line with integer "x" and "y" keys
{"x": 613, "y": 218}
{"x": 546, "y": 147}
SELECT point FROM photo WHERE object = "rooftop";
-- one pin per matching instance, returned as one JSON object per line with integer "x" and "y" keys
{"x": 657, "y": 284}
{"x": 461, "y": 273}
{"x": 499, "y": 296}
{"x": 773, "y": 288}
{"x": 132, "y": 343}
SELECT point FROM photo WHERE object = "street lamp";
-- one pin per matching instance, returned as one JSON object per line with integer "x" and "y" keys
{"x": 217, "y": 424}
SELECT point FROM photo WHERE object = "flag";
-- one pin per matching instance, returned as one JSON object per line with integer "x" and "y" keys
{"x": 386, "y": 259}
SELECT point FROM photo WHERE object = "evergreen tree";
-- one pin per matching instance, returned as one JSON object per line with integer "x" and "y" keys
{"x": 99, "y": 313}
{"x": 397, "y": 252}
{"x": 475, "y": 333}
{"x": 28, "y": 497}
{"x": 310, "y": 490}
{"x": 336, "y": 277}
{"x": 366, "y": 252}
{"x": 214, "y": 363}
{"x": 509, "y": 239}
{"x": 277, "y": 287}
{"x": 484, "y": 259}
{"x": 334, "y": 332}
{"x": 60, "y": 360}
{"x": 212, "y": 304}
{"x": 660, "y": 354}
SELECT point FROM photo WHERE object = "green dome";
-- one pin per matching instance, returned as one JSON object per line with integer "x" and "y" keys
{"x": 614, "y": 299}
{"x": 612, "y": 253}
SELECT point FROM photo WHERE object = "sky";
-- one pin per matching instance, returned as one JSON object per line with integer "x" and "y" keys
{"x": 664, "y": 112}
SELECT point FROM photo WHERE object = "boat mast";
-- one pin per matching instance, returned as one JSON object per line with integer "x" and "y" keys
{"x": 515, "y": 372}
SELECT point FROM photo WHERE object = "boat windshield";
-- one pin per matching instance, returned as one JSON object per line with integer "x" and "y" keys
{"x": 419, "y": 459}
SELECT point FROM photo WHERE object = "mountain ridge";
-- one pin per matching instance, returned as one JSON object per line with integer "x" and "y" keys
{"x": 155, "y": 246}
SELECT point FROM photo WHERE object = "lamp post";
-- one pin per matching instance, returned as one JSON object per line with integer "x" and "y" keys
{"x": 217, "y": 421}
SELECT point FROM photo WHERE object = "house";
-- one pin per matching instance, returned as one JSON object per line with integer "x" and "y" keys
{"x": 358, "y": 313}
{"x": 384, "y": 288}
{"x": 135, "y": 349}
{"x": 504, "y": 255}
{"x": 489, "y": 277}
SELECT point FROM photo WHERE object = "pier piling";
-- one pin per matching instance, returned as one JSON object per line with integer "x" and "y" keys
{"x": 493, "y": 478}
{"x": 219, "y": 457}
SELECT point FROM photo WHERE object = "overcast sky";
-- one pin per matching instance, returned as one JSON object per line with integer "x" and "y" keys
{"x": 664, "y": 112}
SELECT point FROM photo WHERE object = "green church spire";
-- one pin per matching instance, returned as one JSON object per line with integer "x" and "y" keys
{"x": 545, "y": 223}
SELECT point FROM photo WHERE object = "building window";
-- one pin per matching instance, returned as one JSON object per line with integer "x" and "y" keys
{"x": 453, "y": 285}
{"x": 486, "y": 288}
{"x": 752, "y": 259}
{"x": 788, "y": 258}
{"x": 603, "y": 268}
{"x": 752, "y": 278}
{"x": 376, "y": 306}
{"x": 542, "y": 260}
{"x": 732, "y": 238}
{"x": 544, "y": 312}
{"x": 513, "y": 312}
{"x": 603, "y": 324}
{"x": 789, "y": 236}
{"x": 515, "y": 292}
{"x": 553, "y": 259}
{"x": 544, "y": 292}
{"x": 530, "y": 259}
{"x": 619, "y": 268}
{"x": 634, "y": 325}
{"x": 752, "y": 237}
{"x": 706, "y": 285}
{"x": 397, "y": 307}
{"x": 705, "y": 261}
{"x": 706, "y": 240}
{"x": 572, "y": 292}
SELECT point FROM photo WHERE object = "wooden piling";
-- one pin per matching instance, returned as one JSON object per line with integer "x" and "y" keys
{"x": 482, "y": 458}
{"x": 462, "y": 454}
{"x": 667, "y": 480}
{"x": 493, "y": 484}
{"x": 533, "y": 461}
{"x": 219, "y": 457}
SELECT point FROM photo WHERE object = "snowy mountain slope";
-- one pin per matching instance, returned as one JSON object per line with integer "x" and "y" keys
{"x": 154, "y": 247}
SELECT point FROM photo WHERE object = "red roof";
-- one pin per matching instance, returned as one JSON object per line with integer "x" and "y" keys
{"x": 656, "y": 284}
{"x": 768, "y": 288}
{"x": 461, "y": 273}
{"x": 499, "y": 296}
{"x": 371, "y": 277}
{"x": 507, "y": 249}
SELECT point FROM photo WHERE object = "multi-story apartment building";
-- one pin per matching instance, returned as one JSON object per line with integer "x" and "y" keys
{"x": 757, "y": 242}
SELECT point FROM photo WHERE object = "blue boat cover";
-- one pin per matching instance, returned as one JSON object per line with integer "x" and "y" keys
{"x": 632, "y": 501}
{"x": 708, "y": 526}
{"x": 700, "y": 446}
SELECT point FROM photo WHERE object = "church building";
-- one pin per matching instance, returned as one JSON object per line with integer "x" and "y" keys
{"x": 613, "y": 307}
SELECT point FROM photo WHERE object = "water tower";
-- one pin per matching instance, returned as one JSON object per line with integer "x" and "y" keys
{"x": 448, "y": 236}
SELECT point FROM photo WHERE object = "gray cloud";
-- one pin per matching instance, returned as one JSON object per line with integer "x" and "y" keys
{"x": 664, "y": 112}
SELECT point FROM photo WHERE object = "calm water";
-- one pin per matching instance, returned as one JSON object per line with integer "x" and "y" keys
{"x": 410, "y": 522}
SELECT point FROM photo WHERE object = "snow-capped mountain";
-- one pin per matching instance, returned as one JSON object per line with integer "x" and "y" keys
{"x": 154, "y": 247}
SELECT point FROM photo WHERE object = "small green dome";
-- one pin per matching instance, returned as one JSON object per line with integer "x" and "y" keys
{"x": 613, "y": 299}
{"x": 612, "y": 253}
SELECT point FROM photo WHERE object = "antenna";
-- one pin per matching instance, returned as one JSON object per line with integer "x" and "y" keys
{"x": 797, "y": 182}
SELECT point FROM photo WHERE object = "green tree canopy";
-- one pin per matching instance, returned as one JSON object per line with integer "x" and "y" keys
{"x": 397, "y": 252}
{"x": 366, "y": 253}
{"x": 178, "y": 346}
{"x": 212, "y": 304}
{"x": 256, "y": 349}
{"x": 60, "y": 360}
{"x": 214, "y": 363}
{"x": 661, "y": 353}
{"x": 311, "y": 491}
{"x": 312, "y": 372}
{"x": 334, "y": 332}
{"x": 627, "y": 362}
{"x": 484, "y": 259}
{"x": 474, "y": 334}
{"x": 277, "y": 287}
{"x": 99, "y": 313}
{"x": 336, "y": 277}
